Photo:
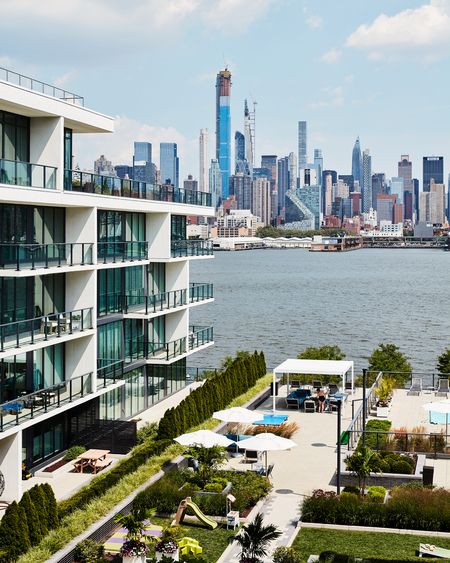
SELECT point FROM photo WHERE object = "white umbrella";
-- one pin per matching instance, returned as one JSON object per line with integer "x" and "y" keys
{"x": 237, "y": 414}
{"x": 440, "y": 406}
{"x": 204, "y": 438}
{"x": 268, "y": 442}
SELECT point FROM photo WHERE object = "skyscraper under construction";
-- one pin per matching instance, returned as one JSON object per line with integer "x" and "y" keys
{"x": 223, "y": 127}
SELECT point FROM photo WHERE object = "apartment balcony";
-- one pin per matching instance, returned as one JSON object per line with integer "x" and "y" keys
{"x": 32, "y": 405}
{"x": 135, "y": 349}
{"x": 76, "y": 181}
{"x": 165, "y": 351}
{"x": 200, "y": 292}
{"x": 109, "y": 372}
{"x": 16, "y": 173}
{"x": 199, "y": 336}
{"x": 149, "y": 304}
{"x": 33, "y": 256}
{"x": 39, "y": 329}
{"x": 128, "y": 251}
{"x": 182, "y": 248}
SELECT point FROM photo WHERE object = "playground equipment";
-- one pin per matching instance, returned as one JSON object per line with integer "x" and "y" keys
{"x": 189, "y": 545}
{"x": 181, "y": 512}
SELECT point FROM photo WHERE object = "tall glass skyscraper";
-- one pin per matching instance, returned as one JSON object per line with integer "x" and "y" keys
{"x": 357, "y": 172}
{"x": 302, "y": 156}
{"x": 143, "y": 171}
{"x": 223, "y": 127}
{"x": 169, "y": 164}
{"x": 367, "y": 180}
{"x": 433, "y": 167}
{"x": 203, "y": 180}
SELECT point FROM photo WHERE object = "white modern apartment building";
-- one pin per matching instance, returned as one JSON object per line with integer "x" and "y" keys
{"x": 94, "y": 284}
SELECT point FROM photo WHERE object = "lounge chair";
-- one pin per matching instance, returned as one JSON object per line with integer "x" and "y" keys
{"x": 290, "y": 402}
{"x": 443, "y": 388}
{"x": 310, "y": 406}
{"x": 416, "y": 386}
{"x": 333, "y": 389}
{"x": 316, "y": 384}
{"x": 252, "y": 455}
{"x": 295, "y": 383}
{"x": 269, "y": 471}
{"x": 433, "y": 550}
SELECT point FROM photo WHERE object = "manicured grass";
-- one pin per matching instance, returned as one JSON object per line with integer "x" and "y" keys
{"x": 213, "y": 542}
{"x": 361, "y": 544}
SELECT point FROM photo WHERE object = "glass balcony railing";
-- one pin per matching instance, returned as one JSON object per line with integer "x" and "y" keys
{"x": 109, "y": 372}
{"x": 26, "y": 332}
{"x": 166, "y": 350}
{"x": 32, "y": 256}
{"x": 18, "y": 173}
{"x": 77, "y": 181}
{"x": 147, "y": 304}
{"x": 180, "y": 248}
{"x": 200, "y": 335}
{"x": 40, "y": 402}
{"x": 200, "y": 292}
{"x": 135, "y": 349}
{"x": 111, "y": 252}
{"x": 38, "y": 86}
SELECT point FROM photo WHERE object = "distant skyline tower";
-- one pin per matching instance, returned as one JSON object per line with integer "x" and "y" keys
{"x": 357, "y": 163}
{"x": 248, "y": 137}
{"x": 367, "y": 181}
{"x": 223, "y": 127}
{"x": 433, "y": 167}
{"x": 215, "y": 183}
{"x": 143, "y": 171}
{"x": 169, "y": 163}
{"x": 302, "y": 155}
{"x": 203, "y": 176}
{"x": 292, "y": 171}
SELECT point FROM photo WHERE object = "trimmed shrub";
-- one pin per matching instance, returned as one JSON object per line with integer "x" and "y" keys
{"x": 375, "y": 425}
{"x": 34, "y": 527}
{"x": 351, "y": 489}
{"x": 73, "y": 452}
{"x": 39, "y": 500}
{"x": 147, "y": 432}
{"x": 52, "y": 507}
{"x": 89, "y": 551}
{"x": 14, "y": 539}
{"x": 285, "y": 554}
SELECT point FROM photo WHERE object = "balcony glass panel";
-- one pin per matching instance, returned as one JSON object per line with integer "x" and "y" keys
{"x": 167, "y": 350}
{"x": 27, "y": 174}
{"x": 181, "y": 248}
{"x": 147, "y": 304}
{"x": 200, "y": 335}
{"x": 200, "y": 292}
{"x": 33, "y": 256}
{"x": 30, "y": 331}
{"x": 111, "y": 252}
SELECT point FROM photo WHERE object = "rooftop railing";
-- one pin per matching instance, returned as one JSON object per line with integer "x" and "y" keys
{"x": 77, "y": 181}
{"x": 200, "y": 335}
{"x": 200, "y": 292}
{"x": 29, "y": 406}
{"x": 127, "y": 251}
{"x": 147, "y": 304}
{"x": 41, "y": 87}
{"x": 32, "y": 256}
{"x": 30, "y": 331}
{"x": 181, "y": 248}
{"x": 167, "y": 350}
{"x": 17, "y": 173}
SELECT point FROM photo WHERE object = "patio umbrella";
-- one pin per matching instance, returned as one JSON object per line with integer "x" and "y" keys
{"x": 268, "y": 442}
{"x": 440, "y": 406}
{"x": 237, "y": 414}
{"x": 204, "y": 438}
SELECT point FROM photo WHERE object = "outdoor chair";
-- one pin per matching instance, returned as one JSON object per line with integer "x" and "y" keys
{"x": 310, "y": 406}
{"x": 269, "y": 471}
{"x": 443, "y": 388}
{"x": 252, "y": 455}
{"x": 333, "y": 389}
{"x": 295, "y": 383}
{"x": 316, "y": 384}
{"x": 416, "y": 386}
{"x": 291, "y": 402}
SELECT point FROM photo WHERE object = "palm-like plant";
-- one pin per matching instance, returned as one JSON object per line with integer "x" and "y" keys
{"x": 209, "y": 459}
{"x": 254, "y": 539}
{"x": 361, "y": 464}
{"x": 134, "y": 522}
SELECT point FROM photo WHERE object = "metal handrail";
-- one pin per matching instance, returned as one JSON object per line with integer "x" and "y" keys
{"x": 181, "y": 248}
{"x": 122, "y": 251}
{"x": 200, "y": 335}
{"x": 171, "y": 349}
{"x": 41, "y": 87}
{"x": 112, "y": 367}
{"x": 18, "y": 173}
{"x": 154, "y": 303}
{"x": 200, "y": 292}
{"x": 78, "y": 181}
{"x": 33, "y": 256}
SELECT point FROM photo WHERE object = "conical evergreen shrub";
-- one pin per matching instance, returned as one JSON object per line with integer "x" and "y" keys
{"x": 34, "y": 527}
{"x": 52, "y": 507}
{"x": 14, "y": 539}
{"x": 40, "y": 502}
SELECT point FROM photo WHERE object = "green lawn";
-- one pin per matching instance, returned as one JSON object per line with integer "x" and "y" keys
{"x": 213, "y": 542}
{"x": 361, "y": 544}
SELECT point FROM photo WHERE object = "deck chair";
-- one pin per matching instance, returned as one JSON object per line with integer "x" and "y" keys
{"x": 310, "y": 406}
{"x": 292, "y": 402}
{"x": 269, "y": 471}
{"x": 443, "y": 388}
{"x": 433, "y": 550}
{"x": 295, "y": 383}
{"x": 333, "y": 389}
{"x": 252, "y": 455}
{"x": 316, "y": 384}
{"x": 416, "y": 386}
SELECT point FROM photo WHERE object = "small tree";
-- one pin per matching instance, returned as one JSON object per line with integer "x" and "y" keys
{"x": 254, "y": 539}
{"x": 40, "y": 502}
{"x": 229, "y": 360}
{"x": 34, "y": 527}
{"x": 322, "y": 353}
{"x": 443, "y": 363}
{"x": 387, "y": 357}
{"x": 14, "y": 539}
{"x": 52, "y": 507}
{"x": 208, "y": 458}
{"x": 361, "y": 464}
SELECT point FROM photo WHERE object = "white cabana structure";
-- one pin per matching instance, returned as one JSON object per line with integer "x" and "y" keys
{"x": 314, "y": 367}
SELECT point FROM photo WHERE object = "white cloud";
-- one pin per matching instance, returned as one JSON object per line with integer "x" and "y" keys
{"x": 349, "y": 78}
{"x": 334, "y": 103}
{"x": 61, "y": 81}
{"x": 332, "y": 56}
{"x": 427, "y": 26}
{"x": 232, "y": 16}
{"x": 314, "y": 22}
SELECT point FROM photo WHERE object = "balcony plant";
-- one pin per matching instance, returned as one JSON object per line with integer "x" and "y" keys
{"x": 385, "y": 393}
{"x": 134, "y": 549}
{"x": 167, "y": 544}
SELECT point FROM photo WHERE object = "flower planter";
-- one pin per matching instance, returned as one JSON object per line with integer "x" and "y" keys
{"x": 175, "y": 556}
{"x": 134, "y": 559}
{"x": 383, "y": 412}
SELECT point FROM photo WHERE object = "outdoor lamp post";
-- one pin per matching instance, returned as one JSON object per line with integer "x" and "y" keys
{"x": 338, "y": 472}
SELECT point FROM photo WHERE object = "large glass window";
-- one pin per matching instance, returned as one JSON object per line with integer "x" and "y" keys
{"x": 134, "y": 340}
{"x": 134, "y": 226}
{"x": 134, "y": 391}
{"x": 156, "y": 278}
{"x": 14, "y": 137}
{"x": 110, "y": 342}
{"x": 178, "y": 227}
{"x": 111, "y": 405}
{"x": 68, "y": 148}
{"x": 110, "y": 291}
{"x": 156, "y": 333}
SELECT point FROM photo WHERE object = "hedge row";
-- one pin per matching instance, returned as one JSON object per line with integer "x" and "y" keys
{"x": 105, "y": 481}
{"x": 214, "y": 395}
{"x": 333, "y": 557}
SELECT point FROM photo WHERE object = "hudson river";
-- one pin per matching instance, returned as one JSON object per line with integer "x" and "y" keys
{"x": 282, "y": 301}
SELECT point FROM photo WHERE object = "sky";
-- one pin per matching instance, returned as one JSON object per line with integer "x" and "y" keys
{"x": 374, "y": 69}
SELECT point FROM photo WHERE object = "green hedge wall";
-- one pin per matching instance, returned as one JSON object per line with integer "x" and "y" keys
{"x": 104, "y": 482}
{"x": 214, "y": 395}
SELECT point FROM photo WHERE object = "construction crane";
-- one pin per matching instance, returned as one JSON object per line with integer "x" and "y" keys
{"x": 253, "y": 128}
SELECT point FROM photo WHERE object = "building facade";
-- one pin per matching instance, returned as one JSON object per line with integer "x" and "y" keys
{"x": 433, "y": 167}
{"x": 203, "y": 175}
{"x": 223, "y": 127}
{"x": 302, "y": 148}
{"x": 94, "y": 285}
{"x": 169, "y": 164}
{"x": 367, "y": 181}
{"x": 357, "y": 168}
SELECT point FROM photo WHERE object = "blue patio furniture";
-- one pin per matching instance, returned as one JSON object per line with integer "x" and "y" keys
{"x": 300, "y": 394}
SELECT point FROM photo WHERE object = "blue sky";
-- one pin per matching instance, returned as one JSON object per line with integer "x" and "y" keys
{"x": 377, "y": 70}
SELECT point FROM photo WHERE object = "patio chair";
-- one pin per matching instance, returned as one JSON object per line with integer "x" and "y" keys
{"x": 416, "y": 386}
{"x": 316, "y": 384}
{"x": 252, "y": 455}
{"x": 291, "y": 402}
{"x": 310, "y": 406}
{"x": 269, "y": 471}
{"x": 443, "y": 388}
{"x": 333, "y": 389}
{"x": 295, "y": 383}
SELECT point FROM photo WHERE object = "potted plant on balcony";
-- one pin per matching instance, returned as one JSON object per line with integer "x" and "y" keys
{"x": 167, "y": 544}
{"x": 385, "y": 392}
{"x": 134, "y": 549}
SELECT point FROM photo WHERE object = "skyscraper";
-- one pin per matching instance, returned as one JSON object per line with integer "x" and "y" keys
{"x": 142, "y": 151}
{"x": 405, "y": 172}
{"x": 248, "y": 138}
{"x": 215, "y": 183}
{"x": 270, "y": 162}
{"x": 242, "y": 165}
{"x": 169, "y": 163}
{"x": 318, "y": 162}
{"x": 416, "y": 198}
{"x": 203, "y": 177}
{"x": 283, "y": 181}
{"x": 357, "y": 172}
{"x": 223, "y": 127}
{"x": 433, "y": 167}
{"x": 367, "y": 179}
{"x": 293, "y": 169}
{"x": 302, "y": 156}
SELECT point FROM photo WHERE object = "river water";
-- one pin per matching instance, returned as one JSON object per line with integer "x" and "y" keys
{"x": 282, "y": 301}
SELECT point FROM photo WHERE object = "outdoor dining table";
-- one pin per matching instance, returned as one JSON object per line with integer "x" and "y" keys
{"x": 91, "y": 457}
